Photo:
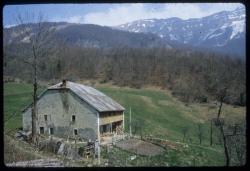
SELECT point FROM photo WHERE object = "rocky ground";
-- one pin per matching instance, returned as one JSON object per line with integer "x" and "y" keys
{"x": 37, "y": 163}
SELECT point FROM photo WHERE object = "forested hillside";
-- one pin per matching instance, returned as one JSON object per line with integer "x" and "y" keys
{"x": 191, "y": 76}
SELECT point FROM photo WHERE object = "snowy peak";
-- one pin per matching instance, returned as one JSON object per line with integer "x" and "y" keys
{"x": 224, "y": 29}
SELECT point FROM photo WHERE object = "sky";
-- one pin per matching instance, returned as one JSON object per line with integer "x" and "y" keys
{"x": 112, "y": 14}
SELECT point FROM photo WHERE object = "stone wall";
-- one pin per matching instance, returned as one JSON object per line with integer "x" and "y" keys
{"x": 59, "y": 106}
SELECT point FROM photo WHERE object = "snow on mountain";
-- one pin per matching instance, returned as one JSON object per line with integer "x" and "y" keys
{"x": 238, "y": 27}
{"x": 223, "y": 31}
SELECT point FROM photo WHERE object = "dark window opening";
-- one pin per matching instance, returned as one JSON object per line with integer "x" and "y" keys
{"x": 75, "y": 131}
{"x": 51, "y": 131}
{"x": 73, "y": 118}
{"x": 105, "y": 128}
{"x": 41, "y": 130}
{"x": 45, "y": 117}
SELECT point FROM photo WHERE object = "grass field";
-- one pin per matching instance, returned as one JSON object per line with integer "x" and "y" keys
{"x": 16, "y": 98}
{"x": 164, "y": 116}
{"x": 159, "y": 114}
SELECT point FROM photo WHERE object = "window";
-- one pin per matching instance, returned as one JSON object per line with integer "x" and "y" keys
{"x": 75, "y": 131}
{"x": 105, "y": 128}
{"x": 41, "y": 130}
{"x": 51, "y": 131}
{"x": 73, "y": 118}
{"x": 45, "y": 117}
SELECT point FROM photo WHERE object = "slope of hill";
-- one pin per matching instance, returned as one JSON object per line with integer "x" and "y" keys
{"x": 154, "y": 112}
{"x": 84, "y": 35}
{"x": 222, "y": 32}
{"x": 157, "y": 111}
{"x": 162, "y": 115}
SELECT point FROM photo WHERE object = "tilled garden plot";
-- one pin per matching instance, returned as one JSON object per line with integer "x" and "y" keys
{"x": 140, "y": 147}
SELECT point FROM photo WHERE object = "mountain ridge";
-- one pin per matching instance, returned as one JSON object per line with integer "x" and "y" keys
{"x": 86, "y": 35}
{"x": 221, "y": 32}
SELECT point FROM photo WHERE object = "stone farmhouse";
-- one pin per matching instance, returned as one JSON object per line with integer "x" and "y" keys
{"x": 70, "y": 110}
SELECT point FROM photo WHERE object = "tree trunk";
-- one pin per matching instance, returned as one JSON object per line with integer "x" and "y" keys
{"x": 34, "y": 110}
{"x": 223, "y": 134}
{"x": 220, "y": 108}
{"x": 225, "y": 145}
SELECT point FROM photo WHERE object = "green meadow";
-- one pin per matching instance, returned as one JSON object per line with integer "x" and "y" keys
{"x": 156, "y": 112}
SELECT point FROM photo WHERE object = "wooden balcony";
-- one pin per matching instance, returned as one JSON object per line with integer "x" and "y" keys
{"x": 109, "y": 119}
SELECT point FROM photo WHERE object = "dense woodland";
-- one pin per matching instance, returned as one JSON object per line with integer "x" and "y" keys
{"x": 191, "y": 76}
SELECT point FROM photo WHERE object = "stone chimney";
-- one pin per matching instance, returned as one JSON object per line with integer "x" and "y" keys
{"x": 63, "y": 83}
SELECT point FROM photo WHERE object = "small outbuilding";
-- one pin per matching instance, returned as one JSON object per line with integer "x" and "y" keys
{"x": 70, "y": 110}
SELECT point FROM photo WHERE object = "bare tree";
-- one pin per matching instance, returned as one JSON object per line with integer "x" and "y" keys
{"x": 38, "y": 36}
{"x": 220, "y": 124}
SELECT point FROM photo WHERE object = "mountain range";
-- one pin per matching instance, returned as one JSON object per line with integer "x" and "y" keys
{"x": 84, "y": 35}
{"x": 222, "y": 32}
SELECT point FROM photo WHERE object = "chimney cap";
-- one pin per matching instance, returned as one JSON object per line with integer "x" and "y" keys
{"x": 63, "y": 83}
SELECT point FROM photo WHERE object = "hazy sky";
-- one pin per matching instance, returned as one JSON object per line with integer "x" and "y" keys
{"x": 115, "y": 14}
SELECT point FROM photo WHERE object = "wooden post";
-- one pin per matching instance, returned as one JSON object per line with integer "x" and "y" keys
{"x": 130, "y": 131}
{"x": 111, "y": 127}
{"x": 211, "y": 133}
{"x": 123, "y": 124}
{"x": 98, "y": 135}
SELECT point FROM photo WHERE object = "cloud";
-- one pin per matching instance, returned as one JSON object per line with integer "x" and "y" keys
{"x": 10, "y": 25}
{"x": 117, "y": 15}
{"x": 75, "y": 19}
{"x": 124, "y": 13}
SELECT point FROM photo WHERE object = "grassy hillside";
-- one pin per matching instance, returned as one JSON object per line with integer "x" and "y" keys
{"x": 156, "y": 111}
{"x": 16, "y": 98}
{"x": 164, "y": 116}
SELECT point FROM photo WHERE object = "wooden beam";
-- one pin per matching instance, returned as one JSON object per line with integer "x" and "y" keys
{"x": 130, "y": 131}
{"x": 111, "y": 127}
{"x": 123, "y": 125}
{"x": 98, "y": 134}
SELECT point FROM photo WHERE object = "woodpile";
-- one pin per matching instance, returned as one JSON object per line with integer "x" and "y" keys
{"x": 23, "y": 136}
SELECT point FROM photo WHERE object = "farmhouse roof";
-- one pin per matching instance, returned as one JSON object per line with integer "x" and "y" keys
{"x": 93, "y": 97}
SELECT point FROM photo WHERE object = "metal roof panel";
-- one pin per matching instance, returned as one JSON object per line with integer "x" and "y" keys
{"x": 95, "y": 98}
